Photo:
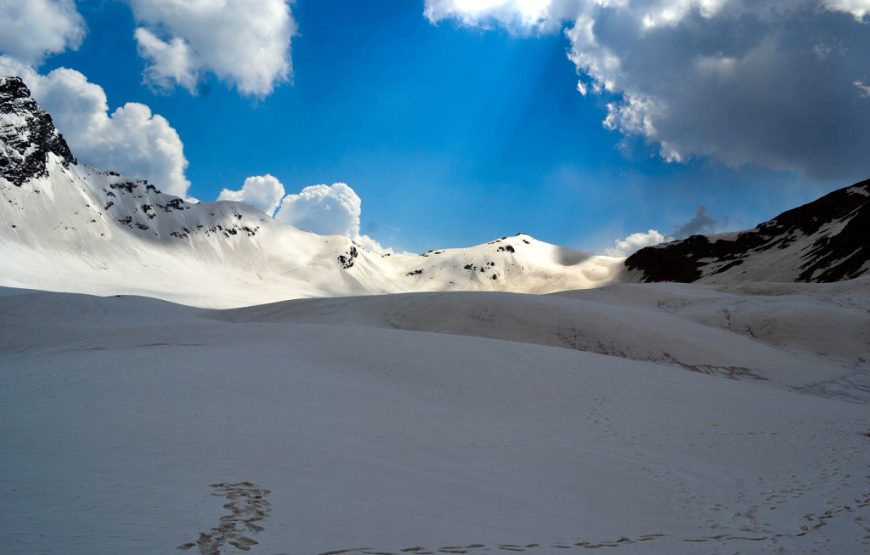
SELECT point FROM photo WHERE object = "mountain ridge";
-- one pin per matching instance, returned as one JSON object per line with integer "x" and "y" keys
{"x": 824, "y": 240}
{"x": 69, "y": 227}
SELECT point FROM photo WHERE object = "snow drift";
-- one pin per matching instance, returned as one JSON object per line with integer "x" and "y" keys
{"x": 468, "y": 423}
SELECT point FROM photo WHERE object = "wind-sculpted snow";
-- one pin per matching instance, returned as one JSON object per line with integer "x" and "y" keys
{"x": 359, "y": 426}
{"x": 733, "y": 334}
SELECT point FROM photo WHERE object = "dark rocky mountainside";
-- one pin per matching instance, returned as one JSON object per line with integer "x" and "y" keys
{"x": 27, "y": 135}
{"x": 822, "y": 241}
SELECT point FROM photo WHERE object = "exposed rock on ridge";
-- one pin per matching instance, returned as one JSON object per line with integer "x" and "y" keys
{"x": 823, "y": 241}
{"x": 27, "y": 135}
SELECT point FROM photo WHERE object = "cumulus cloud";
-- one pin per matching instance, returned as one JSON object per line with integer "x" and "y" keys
{"x": 323, "y": 209}
{"x": 31, "y": 29}
{"x": 243, "y": 42}
{"x": 327, "y": 210}
{"x": 171, "y": 62}
{"x": 263, "y": 192}
{"x": 701, "y": 223}
{"x": 770, "y": 83}
{"x": 634, "y": 242}
{"x": 516, "y": 15}
{"x": 131, "y": 139}
{"x": 858, "y": 8}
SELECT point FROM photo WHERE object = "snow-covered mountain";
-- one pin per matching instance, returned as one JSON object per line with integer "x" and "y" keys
{"x": 69, "y": 227}
{"x": 823, "y": 241}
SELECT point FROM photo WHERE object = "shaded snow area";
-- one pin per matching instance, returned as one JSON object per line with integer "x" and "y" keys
{"x": 649, "y": 418}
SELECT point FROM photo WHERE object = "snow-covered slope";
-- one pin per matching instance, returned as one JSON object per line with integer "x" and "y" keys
{"x": 517, "y": 263}
{"x": 822, "y": 241}
{"x": 756, "y": 336}
{"x": 354, "y": 426}
{"x": 67, "y": 227}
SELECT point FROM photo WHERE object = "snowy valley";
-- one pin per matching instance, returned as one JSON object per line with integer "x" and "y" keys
{"x": 180, "y": 377}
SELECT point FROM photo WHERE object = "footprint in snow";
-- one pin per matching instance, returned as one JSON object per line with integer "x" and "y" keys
{"x": 248, "y": 508}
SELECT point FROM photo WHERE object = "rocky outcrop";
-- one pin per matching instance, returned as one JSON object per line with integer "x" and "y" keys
{"x": 27, "y": 135}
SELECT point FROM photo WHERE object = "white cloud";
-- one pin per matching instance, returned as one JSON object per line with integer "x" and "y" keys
{"x": 515, "y": 14}
{"x": 171, "y": 61}
{"x": 323, "y": 209}
{"x": 634, "y": 242}
{"x": 672, "y": 12}
{"x": 548, "y": 15}
{"x": 700, "y": 223}
{"x": 327, "y": 210}
{"x": 858, "y": 8}
{"x": 746, "y": 82}
{"x": 263, "y": 192}
{"x": 370, "y": 244}
{"x": 31, "y": 29}
{"x": 243, "y": 42}
{"x": 131, "y": 139}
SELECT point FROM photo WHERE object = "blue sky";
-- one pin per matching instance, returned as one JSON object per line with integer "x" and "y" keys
{"x": 451, "y": 134}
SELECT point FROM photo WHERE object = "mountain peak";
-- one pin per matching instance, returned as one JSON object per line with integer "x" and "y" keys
{"x": 12, "y": 86}
{"x": 27, "y": 135}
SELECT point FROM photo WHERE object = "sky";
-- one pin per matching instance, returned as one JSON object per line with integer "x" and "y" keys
{"x": 452, "y": 122}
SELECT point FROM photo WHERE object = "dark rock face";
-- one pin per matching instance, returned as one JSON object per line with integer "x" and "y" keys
{"x": 346, "y": 260}
{"x": 830, "y": 238}
{"x": 27, "y": 135}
